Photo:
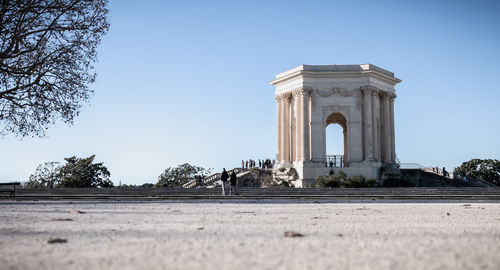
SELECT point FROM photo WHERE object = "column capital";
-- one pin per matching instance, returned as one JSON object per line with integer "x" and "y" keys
{"x": 387, "y": 95}
{"x": 367, "y": 90}
{"x": 286, "y": 97}
{"x": 370, "y": 90}
{"x": 302, "y": 91}
{"x": 283, "y": 97}
{"x": 383, "y": 94}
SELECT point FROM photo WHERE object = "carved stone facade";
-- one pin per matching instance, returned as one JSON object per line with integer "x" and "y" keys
{"x": 360, "y": 98}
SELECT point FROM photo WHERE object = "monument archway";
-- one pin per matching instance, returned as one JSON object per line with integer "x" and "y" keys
{"x": 333, "y": 159}
{"x": 360, "y": 98}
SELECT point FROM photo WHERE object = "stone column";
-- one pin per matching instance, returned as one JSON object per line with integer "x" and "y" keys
{"x": 376, "y": 124}
{"x": 291, "y": 132}
{"x": 304, "y": 124}
{"x": 393, "y": 138}
{"x": 387, "y": 129}
{"x": 367, "y": 123}
{"x": 280, "y": 127}
{"x": 298, "y": 129}
{"x": 346, "y": 157}
{"x": 286, "y": 128}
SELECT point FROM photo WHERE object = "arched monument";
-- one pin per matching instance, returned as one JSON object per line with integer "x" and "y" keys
{"x": 360, "y": 98}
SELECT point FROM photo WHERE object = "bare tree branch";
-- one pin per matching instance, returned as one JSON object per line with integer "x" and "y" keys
{"x": 47, "y": 52}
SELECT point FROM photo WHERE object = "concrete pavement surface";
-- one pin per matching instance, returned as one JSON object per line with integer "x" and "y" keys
{"x": 249, "y": 235}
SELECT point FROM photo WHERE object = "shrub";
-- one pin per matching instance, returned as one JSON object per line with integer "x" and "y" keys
{"x": 340, "y": 181}
{"x": 371, "y": 182}
{"x": 356, "y": 181}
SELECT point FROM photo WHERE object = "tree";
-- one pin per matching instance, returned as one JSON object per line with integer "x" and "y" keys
{"x": 76, "y": 172}
{"x": 47, "y": 52}
{"x": 180, "y": 175}
{"x": 481, "y": 169}
{"x": 45, "y": 176}
{"x": 81, "y": 172}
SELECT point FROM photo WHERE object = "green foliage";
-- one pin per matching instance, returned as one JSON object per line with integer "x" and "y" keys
{"x": 45, "y": 176}
{"x": 357, "y": 181}
{"x": 371, "y": 182}
{"x": 328, "y": 181}
{"x": 481, "y": 169}
{"x": 77, "y": 172}
{"x": 180, "y": 175}
{"x": 340, "y": 181}
{"x": 81, "y": 172}
{"x": 282, "y": 169}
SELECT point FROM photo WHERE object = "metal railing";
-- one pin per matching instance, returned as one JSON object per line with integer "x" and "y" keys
{"x": 335, "y": 161}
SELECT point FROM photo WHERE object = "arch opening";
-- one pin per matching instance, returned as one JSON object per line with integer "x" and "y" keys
{"x": 336, "y": 140}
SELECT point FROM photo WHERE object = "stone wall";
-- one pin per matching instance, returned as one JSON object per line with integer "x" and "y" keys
{"x": 255, "y": 178}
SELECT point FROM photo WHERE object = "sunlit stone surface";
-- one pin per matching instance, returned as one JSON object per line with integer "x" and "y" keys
{"x": 163, "y": 235}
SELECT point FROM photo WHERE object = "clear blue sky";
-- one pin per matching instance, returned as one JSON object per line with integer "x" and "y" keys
{"x": 187, "y": 81}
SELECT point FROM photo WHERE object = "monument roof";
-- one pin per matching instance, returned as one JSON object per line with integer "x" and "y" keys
{"x": 335, "y": 70}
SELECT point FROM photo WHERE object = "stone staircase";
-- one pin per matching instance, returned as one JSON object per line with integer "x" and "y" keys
{"x": 419, "y": 177}
{"x": 390, "y": 171}
{"x": 211, "y": 180}
{"x": 246, "y": 193}
{"x": 428, "y": 178}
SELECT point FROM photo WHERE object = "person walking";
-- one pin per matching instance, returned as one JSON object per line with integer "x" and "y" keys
{"x": 224, "y": 176}
{"x": 233, "y": 181}
{"x": 445, "y": 173}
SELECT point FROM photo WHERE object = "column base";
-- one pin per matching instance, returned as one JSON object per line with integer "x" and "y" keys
{"x": 309, "y": 171}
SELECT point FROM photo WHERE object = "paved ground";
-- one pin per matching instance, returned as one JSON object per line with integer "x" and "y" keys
{"x": 230, "y": 235}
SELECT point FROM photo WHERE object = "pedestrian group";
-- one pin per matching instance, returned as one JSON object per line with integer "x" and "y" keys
{"x": 263, "y": 164}
{"x": 232, "y": 181}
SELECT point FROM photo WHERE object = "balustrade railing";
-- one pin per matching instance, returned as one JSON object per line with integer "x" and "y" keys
{"x": 209, "y": 180}
{"x": 334, "y": 161}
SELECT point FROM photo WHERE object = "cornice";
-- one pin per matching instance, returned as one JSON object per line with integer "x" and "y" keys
{"x": 320, "y": 74}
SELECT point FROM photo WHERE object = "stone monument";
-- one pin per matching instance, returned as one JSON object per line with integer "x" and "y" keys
{"x": 360, "y": 98}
